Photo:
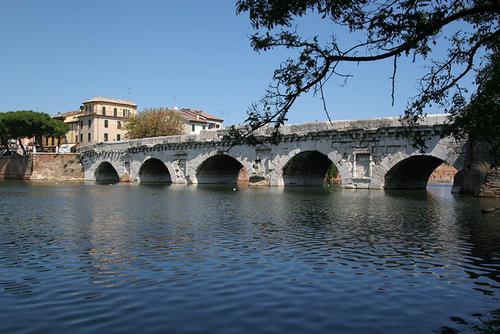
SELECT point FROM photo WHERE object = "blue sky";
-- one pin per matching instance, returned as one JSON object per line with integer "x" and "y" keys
{"x": 197, "y": 54}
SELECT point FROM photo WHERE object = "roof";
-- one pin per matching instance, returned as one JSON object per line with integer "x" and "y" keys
{"x": 198, "y": 115}
{"x": 110, "y": 100}
{"x": 67, "y": 114}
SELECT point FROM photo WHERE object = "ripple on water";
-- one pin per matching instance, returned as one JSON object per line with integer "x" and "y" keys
{"x": 185, "y": 259}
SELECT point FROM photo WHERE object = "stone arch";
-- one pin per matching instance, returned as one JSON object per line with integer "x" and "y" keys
{"x": 306, "y": 168}
{"x": 411, "y": 172}
{"x": 280, "y": 161}
{"x": 219, "y": 169}
{"x": 438, "y": 151}
{"x": 106, "y": 173}
{"x": 153, "y": 170}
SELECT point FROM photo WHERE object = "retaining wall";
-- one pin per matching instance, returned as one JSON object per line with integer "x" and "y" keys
{"x": 42, "y": 166}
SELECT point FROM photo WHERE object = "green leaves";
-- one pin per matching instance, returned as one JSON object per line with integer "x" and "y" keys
{"x": 27, "y": 123}
{"x": 155, "y": 122}
{"x": 384, "y": 29}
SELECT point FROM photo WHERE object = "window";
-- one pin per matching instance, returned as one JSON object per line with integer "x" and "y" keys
{"x": 115, "y": 112}
{"x": 203, "y": 127}
{"x": 119, "y": 124}
{"x": 88, "y": 137}
{"x": 105, "y": 123}
{"x": 118, "y": 137}
{"x": 192, "y": 127}
{"x": 81, "y": 137}
{"x": 105, "y": 137}
{"x": 81, "y": 124}
{"x": 90, "y": 122}
{"x": 46, "y": 141}
{"x": 103, "y": 110}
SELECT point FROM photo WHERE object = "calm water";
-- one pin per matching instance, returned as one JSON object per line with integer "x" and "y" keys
{"x": 85, "y": 258}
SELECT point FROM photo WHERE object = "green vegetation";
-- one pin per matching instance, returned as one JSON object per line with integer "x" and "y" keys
{"x": 155, "y": 122}
{"x": 331, "y": 173}
{"x": 26, "y": 124}
{"x": 384, "y": 30}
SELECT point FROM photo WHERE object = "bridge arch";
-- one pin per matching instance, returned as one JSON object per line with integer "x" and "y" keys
{"x": 106, "y": 173}
{"x": 220, "y": 169}
{"x": 153, "y": 170}
{"x": 307, "y": 168}
{"x": 411, "y": 172}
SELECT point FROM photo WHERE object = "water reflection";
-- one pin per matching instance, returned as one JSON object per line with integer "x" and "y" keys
{"x": 217, "y": 259}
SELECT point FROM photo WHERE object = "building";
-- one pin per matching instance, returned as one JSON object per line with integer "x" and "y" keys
{"x": 102, "y": 120}
{"x": 197, "y": 120}
{"x": 70, "y": 118}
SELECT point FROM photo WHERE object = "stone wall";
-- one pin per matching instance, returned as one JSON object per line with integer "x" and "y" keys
{"x": 443, "y": 174}
{"x": 15, "y": 168}
{"x": 61, "y": 167}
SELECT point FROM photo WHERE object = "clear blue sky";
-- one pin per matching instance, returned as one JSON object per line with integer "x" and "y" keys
{"x": 55, "y": 54}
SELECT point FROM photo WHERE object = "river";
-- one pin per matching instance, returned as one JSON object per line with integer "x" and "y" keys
{"x": 87, "y": 258}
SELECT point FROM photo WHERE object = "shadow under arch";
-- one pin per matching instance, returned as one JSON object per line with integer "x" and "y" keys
{"x": 154, "y": 171}
{"x": 411, "y": 173}
{"x": 106, "y": 173}
{"x": 307, "y": 168}
{"x": 219, "y": 169}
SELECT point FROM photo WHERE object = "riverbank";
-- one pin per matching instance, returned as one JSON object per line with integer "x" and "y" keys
{"x": 42, "y": 167}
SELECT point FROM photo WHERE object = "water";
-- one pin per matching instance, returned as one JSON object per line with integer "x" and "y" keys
{"x": 85, "y": 258}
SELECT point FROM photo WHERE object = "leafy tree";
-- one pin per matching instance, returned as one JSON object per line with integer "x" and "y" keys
{"x": 155, "y": 122}
{"x": 27, "y": 123}
{"x": 479, "y": 119}
{"x": 55, "y": 128}
{"x": 383, "y": 29}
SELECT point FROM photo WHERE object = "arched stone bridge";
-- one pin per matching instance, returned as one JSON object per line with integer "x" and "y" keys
{"x": 369, "y": 154}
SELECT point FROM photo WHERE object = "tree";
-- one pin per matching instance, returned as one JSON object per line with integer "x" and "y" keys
{"x": 155, "y": 122}
{"x": 55, "y": 128}
{"x": 27, "y": 123}
{"x": 385, "y": 29}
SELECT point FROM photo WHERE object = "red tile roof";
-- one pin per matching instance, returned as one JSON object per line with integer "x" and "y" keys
{"x": 198, "y": 115}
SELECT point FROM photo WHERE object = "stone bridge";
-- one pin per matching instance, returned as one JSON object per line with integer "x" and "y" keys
{"x": 369, "y": 154}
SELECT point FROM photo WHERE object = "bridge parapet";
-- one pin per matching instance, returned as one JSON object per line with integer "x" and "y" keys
{"x": 294, "y": 130}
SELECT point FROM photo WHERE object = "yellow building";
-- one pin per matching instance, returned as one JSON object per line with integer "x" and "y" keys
{"x": 70, "y": 139}
{"x": 102, "y": 119}
{"x": 70, "y": 118}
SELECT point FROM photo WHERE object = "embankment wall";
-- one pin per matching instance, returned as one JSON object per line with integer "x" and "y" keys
{"x": 42, "y": 167}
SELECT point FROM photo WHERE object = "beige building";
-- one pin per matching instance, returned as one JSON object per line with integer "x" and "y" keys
{"x": 52, "y": 144}
{"x": 70, "y": 118}
{"x": 197, "y": 120}
{"x": 103, "y": 119}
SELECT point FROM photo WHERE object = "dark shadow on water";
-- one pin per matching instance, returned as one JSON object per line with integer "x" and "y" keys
{"x": 153, "y": 184}
{"x": 484, "y": 324}
{"x": 441, "y": 190}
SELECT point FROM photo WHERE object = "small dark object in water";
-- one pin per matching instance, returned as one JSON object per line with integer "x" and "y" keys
{"x": 483, "y": 210}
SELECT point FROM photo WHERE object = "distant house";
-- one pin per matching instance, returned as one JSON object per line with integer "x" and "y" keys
{"x": 197, "y": 120}
{"x": 103, "y": 119}
{"x": 71, "y": 137}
